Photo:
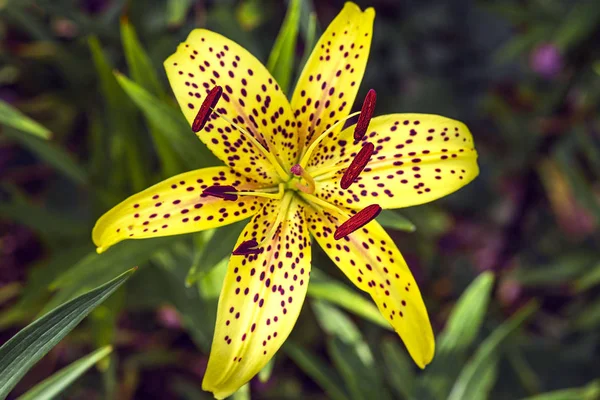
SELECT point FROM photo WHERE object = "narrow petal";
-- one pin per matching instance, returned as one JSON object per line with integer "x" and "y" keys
{"x": 251, "y": 98}
{"x": 176, "y": 206}
{"x": 261, "y": 297}
{"x": 418, "y": 158}
{"x": 371, "y": 260}
{"x": 328, "y": 85}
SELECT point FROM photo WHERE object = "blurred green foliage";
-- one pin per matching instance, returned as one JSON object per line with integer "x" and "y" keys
{"x": 509, "y": 266}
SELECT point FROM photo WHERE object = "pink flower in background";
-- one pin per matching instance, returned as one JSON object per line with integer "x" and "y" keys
{"x": 546, "y": 60}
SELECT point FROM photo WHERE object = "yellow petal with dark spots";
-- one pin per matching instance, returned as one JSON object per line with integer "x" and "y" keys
{"x": 176, "y": 206}
{"x": 251, "y": 99}
{"x": 371, "y": 260}
{"x": 329, "y": 82}
{"x": 261, "y": 297}
{"x": 418, "y": 158}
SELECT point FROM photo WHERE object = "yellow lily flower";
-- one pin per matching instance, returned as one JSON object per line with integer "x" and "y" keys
{"x": 293, "y": 169}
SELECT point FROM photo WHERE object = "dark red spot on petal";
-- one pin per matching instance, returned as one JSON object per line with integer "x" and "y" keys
{"x": 247, "y": 247}
{"x": 222, "y": 192}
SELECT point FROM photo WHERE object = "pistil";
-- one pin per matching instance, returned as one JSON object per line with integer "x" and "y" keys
{"x": 300, "y": 172}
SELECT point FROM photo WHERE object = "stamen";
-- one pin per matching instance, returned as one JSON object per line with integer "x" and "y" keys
{"x": 299, "y": 171}
{"x": 248, "y": 247}
{"x": 358, "y": 164}
{"x": 366, "y": 113}
{"x": 267, "y": 195}
{"x": 211, "y": 100}
{"x": 222, "y": 192}
{"x": 357, "y": 221}
{"x": 313, "y": 146}
{"x": 268, "y": 155}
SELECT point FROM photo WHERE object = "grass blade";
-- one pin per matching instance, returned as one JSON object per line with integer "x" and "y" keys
{"x": 59, "y": 381}
{"x": 10, "y": 116}
{"x": 318, "y": 370}
{"x": 341, "y": 295}
{"x": 31, "y": 343}
{"x": 50, "y": 153}
{"x": 172, "y": 125}
{"x": 478, "y": 369}
{"x": 393, "y": 220}
{"x": 281, "y": 59}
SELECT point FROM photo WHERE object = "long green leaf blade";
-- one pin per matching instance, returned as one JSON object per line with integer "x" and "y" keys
{"x": 172, "y": 124}
{"x": 10, "y": 116}
{"x": 30, "y": 344}
{"x": 52, "y": 386}
{"x": 281, "y": 59}
{"x": 317, "y": 369}
{"x": 478, "y": 369}
{"x": 341, "y": 295}
{"x": 50, "y": 153}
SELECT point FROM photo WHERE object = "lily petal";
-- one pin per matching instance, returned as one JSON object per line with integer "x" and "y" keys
{"x": 251, "y": 98}
{"x": 418, "y": 158}
{"x": 329, "y": 82}
{"x": 176, "y": 206}
{"x": 371, "y": 260}
{"x": 261, "y": 297}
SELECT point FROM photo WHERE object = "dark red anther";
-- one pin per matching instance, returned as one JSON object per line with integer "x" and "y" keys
{"x": 208, "y": 104}
{"x": 358, "y": 164}
{"x": 247, "y": 247}
{"x": 366, "y": 113}
{"x": 222, "y": 192}
{"x": 357, "y": 221}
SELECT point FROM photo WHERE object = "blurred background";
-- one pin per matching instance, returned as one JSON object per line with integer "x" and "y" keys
{"x": 87, "y": 118}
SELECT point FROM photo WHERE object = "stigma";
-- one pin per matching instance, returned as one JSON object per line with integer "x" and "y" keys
{"x": 310, "y": 187}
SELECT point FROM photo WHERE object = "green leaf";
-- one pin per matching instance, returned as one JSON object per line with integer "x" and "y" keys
{"x": 50, "y": 153}
{"x": 143, "y": 73}
{"x": 351, "y": 354}
{"x": 123, "y": 140}
{"x": 31, "y": 343}
{"x": 467, "y": 316}
{"x": 265, "y": 373}
{"x": 393, "y": 220}
{"x": 42, "y": 220}
{"x": 563, "y": 269}
{"x": 140, "y": 67}
{"x": 281, "y": 59}
{"x": 171, "y": 123}
{"x": 588, "y": 280}
{"x": 461, "y": 330}
{"x": 177, "y": 11}
{"x": 343, "y": 296}
{"x": 398, "y": 368}
{"x": 589, "y": 392}
{"x": 10, "y": 116}
{"x": 59, "y": 381}
{"x": 317, "y": 369}
{"x": 118, "y": 258}
{"x": 475, "y": 376}
{"x": 218, "y": 247}
{"x": 577, "y": 25}
{"x": 242, "y": 393}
